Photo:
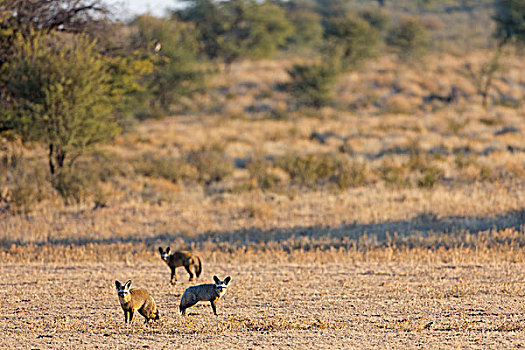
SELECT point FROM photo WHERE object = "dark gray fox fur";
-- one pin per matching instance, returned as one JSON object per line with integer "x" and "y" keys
{"x": 205, "y": 292}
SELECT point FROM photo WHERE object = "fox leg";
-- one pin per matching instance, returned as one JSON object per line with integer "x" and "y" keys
{"x": 130, "y": 315}
{"x": 213, "y": 307}
{"x": 149, "y": 316}
{"x": 183, "y": 308}
{"x": 125, "y": 316}
{"x": 187, "y": 267}
{"x": 173, "y": 275}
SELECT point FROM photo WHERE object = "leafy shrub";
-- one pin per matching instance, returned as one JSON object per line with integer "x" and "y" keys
{"x": 485, "y": 173}
{"x": 74, "y": 185}
{"x": 350, "y": 174}
{"x": 106, "y": 165}
{"x": 463, "y": 160}
{"x": 212, "y": 164}
{"x": 429, "y": 177}
{"x": 510, "y": 20}
{"x": 260, "y": 170}
{"x": 308, "y": 30}
{"x": 22, "y": 183}
{"x": 59, "y": 92}
{"x": 377, "y": 19}
{"x": 408, "y": 38}
{"x": 320, "y": 169}
{"x": 308, "y": 169}
{"x": 311, "y": 84}
{"x": 229, "y": 30}
{"x": 349, "y": 41}
{"x": 175, "y": 71}
{"x": 393, "y": 174}
{"x": 26, "y": 191}
{"x": 128, "y": 91}
{"x": 417, "y": 158}
{"x": 169, "y": 168}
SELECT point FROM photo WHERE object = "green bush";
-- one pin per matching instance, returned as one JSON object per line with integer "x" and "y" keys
{"x": 510, "y": 20}
{"x": 429, "y": 177}
{"x": 393, "y": 174}
{"x": 74, "y": 185}
{"x": 176, "y": 71}
{"x": 59, "y": 93}
{"x": 331, "y": 8}
{"x": 376, "y": 18}
{"x": 259, "y": 169}
{"x": 308, "y": 31}
{"x": 486, "y": 173}
{"x": 26, "y": 190}
{"x": 173, "y": 169}
{"x": 128, "y": 89}
{"x": 212, "y": 164}
{"x": 106, "y": 165}
{"x": 23, "y": 182}
{"x": 417, "y": 159}
{"x": 266, "y": 27}
{"x": 350, "y": 174}
{"x": 408, "y": 38}
{"x": 349, "y": 40}
{"x": 229, "y": 30}
{"x": 311, "y": 84}
{"x": 307, "y": 169}
{"x": 320, "y": 169}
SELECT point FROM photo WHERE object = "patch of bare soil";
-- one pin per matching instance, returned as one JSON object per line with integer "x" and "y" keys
{"x": 349, "y": 304}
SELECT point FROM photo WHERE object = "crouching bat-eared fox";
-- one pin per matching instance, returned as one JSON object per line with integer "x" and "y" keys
{"x": 191, "y": 263}
{"x": 136, "y": 299}
{"x": 205, "y": 292}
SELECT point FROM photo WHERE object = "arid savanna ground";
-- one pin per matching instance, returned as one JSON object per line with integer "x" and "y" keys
{"x": 418, "y": 244}
{"x": 337, "y": 299}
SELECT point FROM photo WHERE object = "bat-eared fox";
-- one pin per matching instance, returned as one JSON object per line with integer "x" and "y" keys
{"x": 191, "y": 262}
{"x": 204, "y": 292}
{"x": 136, "y": 299}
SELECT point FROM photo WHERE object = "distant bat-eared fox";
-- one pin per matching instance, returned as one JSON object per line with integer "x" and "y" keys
{"x": 136, "y": 299}
{"x": 204, "y": 292}
{"x": 191, "y": 262}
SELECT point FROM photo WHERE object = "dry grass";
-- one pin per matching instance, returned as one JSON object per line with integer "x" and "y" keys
{"x": 425, "y": 250}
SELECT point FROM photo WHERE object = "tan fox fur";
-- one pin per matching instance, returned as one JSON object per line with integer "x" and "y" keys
{"x": 136, "y": 299}
{"x": 205, "y": 292}
{"x": 191, "y": 263}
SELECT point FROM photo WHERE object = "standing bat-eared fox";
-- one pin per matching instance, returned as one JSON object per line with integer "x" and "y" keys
{"x": 181, "y": 258}
{"x": 204, "y": 292}
{"x": 136, "y": 299}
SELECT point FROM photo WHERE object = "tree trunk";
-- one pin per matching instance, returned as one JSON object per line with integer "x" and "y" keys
{"x": 50, "y": 157}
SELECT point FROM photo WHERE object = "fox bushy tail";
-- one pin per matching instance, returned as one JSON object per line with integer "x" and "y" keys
{"x": 198, "y": 267}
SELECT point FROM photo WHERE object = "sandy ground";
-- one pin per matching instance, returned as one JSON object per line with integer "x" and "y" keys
{"x": 269, "y": 305}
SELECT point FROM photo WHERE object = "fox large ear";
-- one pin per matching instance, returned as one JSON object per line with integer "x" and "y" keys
{"x": 227, "y": 280}
{"x": 160, "y": 250}
{"x": 216, "y": 280}
{"x": 168, "y": 250}
{"x": 117, "y": 285}
{"x": 127, "y": 285}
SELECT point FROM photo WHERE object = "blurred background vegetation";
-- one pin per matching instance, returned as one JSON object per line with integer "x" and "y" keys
{"x": 72, "y": 78}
